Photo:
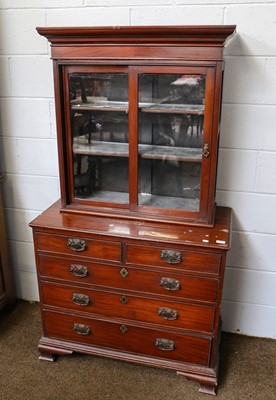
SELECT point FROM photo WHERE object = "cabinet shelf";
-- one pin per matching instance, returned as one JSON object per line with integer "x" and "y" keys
{"x": 113, "y": 149}
{"x": 99, "y": 105}
{"x": 186, "y": 109}
{"x": 145, "y": 199}
{"x": 186, "y": 154}
{"x": 105, "y": 105}
{"x": 98, "y": 148}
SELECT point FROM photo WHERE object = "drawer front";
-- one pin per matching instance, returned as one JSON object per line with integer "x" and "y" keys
{"x": 165, "y": 283}
{"x": 83, "y": 247}
{"x": 173, "y": 258}
{"x": 138, "y": 340}
{"x": 164, "y": 312}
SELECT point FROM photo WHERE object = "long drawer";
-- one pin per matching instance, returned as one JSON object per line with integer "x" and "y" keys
{"x": 129, "y": 338}
{"x": 115, "y": 304}
{"x": 174, "y": 258}
{"x": 84, "y": 247}
{"x": 145, "y": 280}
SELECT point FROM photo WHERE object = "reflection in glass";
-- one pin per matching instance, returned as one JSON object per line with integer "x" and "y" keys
{"x": 99, "y": 127}
{"x": 171, "y": 122}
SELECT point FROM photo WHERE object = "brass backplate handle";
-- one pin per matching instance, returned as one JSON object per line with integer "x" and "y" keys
{"x": 81, "y": 329}
{"x": 80, "y": 299}
{"x": 76, "y": 244}
{"x": 171, "y": 256}
{"x": 165, "y": 344}
{"x": 168, "y": 313}
{"x": 78, "y": 270}
{"x": 169, "y": 283}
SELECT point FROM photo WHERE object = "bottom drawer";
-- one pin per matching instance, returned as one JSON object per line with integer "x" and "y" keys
{"x": 129, "y": 338}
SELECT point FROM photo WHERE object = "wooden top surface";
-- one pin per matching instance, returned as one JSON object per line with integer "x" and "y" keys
{"x": 217, "y": 237}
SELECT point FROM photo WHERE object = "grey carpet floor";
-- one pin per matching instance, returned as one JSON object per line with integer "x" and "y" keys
{"x": 247, "y": 369}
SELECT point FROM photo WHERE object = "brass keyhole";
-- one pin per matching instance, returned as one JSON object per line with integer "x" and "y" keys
{"x": 124, "y": 272}
{"x": 123, "y": 328}
{"x": 123, "y": 299}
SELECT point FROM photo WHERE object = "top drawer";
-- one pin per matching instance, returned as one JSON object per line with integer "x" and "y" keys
{"x": 178, "y": 259}
{"x": 110, "y": 251}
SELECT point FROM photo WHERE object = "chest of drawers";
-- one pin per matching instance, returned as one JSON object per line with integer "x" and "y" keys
{"x": 136, "y": 291}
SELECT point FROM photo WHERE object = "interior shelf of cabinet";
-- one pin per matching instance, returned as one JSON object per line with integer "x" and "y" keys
{"x": 106, "y": 105}
{"x": 100, "y": 148}
{"x": 99, "y": 105}
{"x": 113, "y": 149}
{"x": 187, "y": 109}
{"x": 146, "y": 199}
{"x": 169, "y": 153}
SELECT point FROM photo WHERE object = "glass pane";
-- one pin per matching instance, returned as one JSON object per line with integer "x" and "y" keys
{"x": 99, "y": 126}
{"x": 171, "y": 119}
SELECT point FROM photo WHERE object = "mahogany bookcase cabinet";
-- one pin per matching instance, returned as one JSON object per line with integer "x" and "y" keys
{"x": 131, "y": 260}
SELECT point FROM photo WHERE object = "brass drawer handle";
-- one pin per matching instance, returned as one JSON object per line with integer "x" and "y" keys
{"x": 80, "y": 299}
{"x": 81, "y": 329}
{"x": 169, "y": 283}
{"x": 76, "y": 244}
{"x": 165, "y": 344}
{"x": 78, "y": 270}
{"x": 168, "y": 313}
{"x": 171, "y": 256}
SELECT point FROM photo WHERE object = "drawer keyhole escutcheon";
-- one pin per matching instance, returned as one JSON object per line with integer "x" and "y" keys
{"x": 170, "y": 283}
{"x": 76, "y": 244}
{"x": 78, "y": 270}
{"x": 81, "y": 329}
{"x": 124, "y": 299}
{"x": 171, "y": 256}
{"x": 168, "y": 313}
{"x": 165, "y": 344}
{"x": 124, "y": 272}
{"x": 80, "y": 299}
{"x": 123, "y": 328}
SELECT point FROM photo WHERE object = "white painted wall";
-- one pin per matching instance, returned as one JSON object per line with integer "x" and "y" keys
{"x": 247, "y": 161}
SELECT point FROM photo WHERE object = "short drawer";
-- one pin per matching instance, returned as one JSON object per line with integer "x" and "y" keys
{"x": 174, "y": 258}
{"x": 127, "y": 338}
{"x": 83, "y": 247}
{"x": 128, "y": 306}
{"x": 164, "y": 283}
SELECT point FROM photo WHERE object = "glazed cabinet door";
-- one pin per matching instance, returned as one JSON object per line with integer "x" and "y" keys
{"x": 97, "y": 135}
{"x": 175, "y": 132}
{"x": 139, "y": 139}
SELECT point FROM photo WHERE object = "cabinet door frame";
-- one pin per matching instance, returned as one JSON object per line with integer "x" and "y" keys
{"x": 209, "y": 72}
{"x": 68, "y": 135}
{"x": 204, "y": 216}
